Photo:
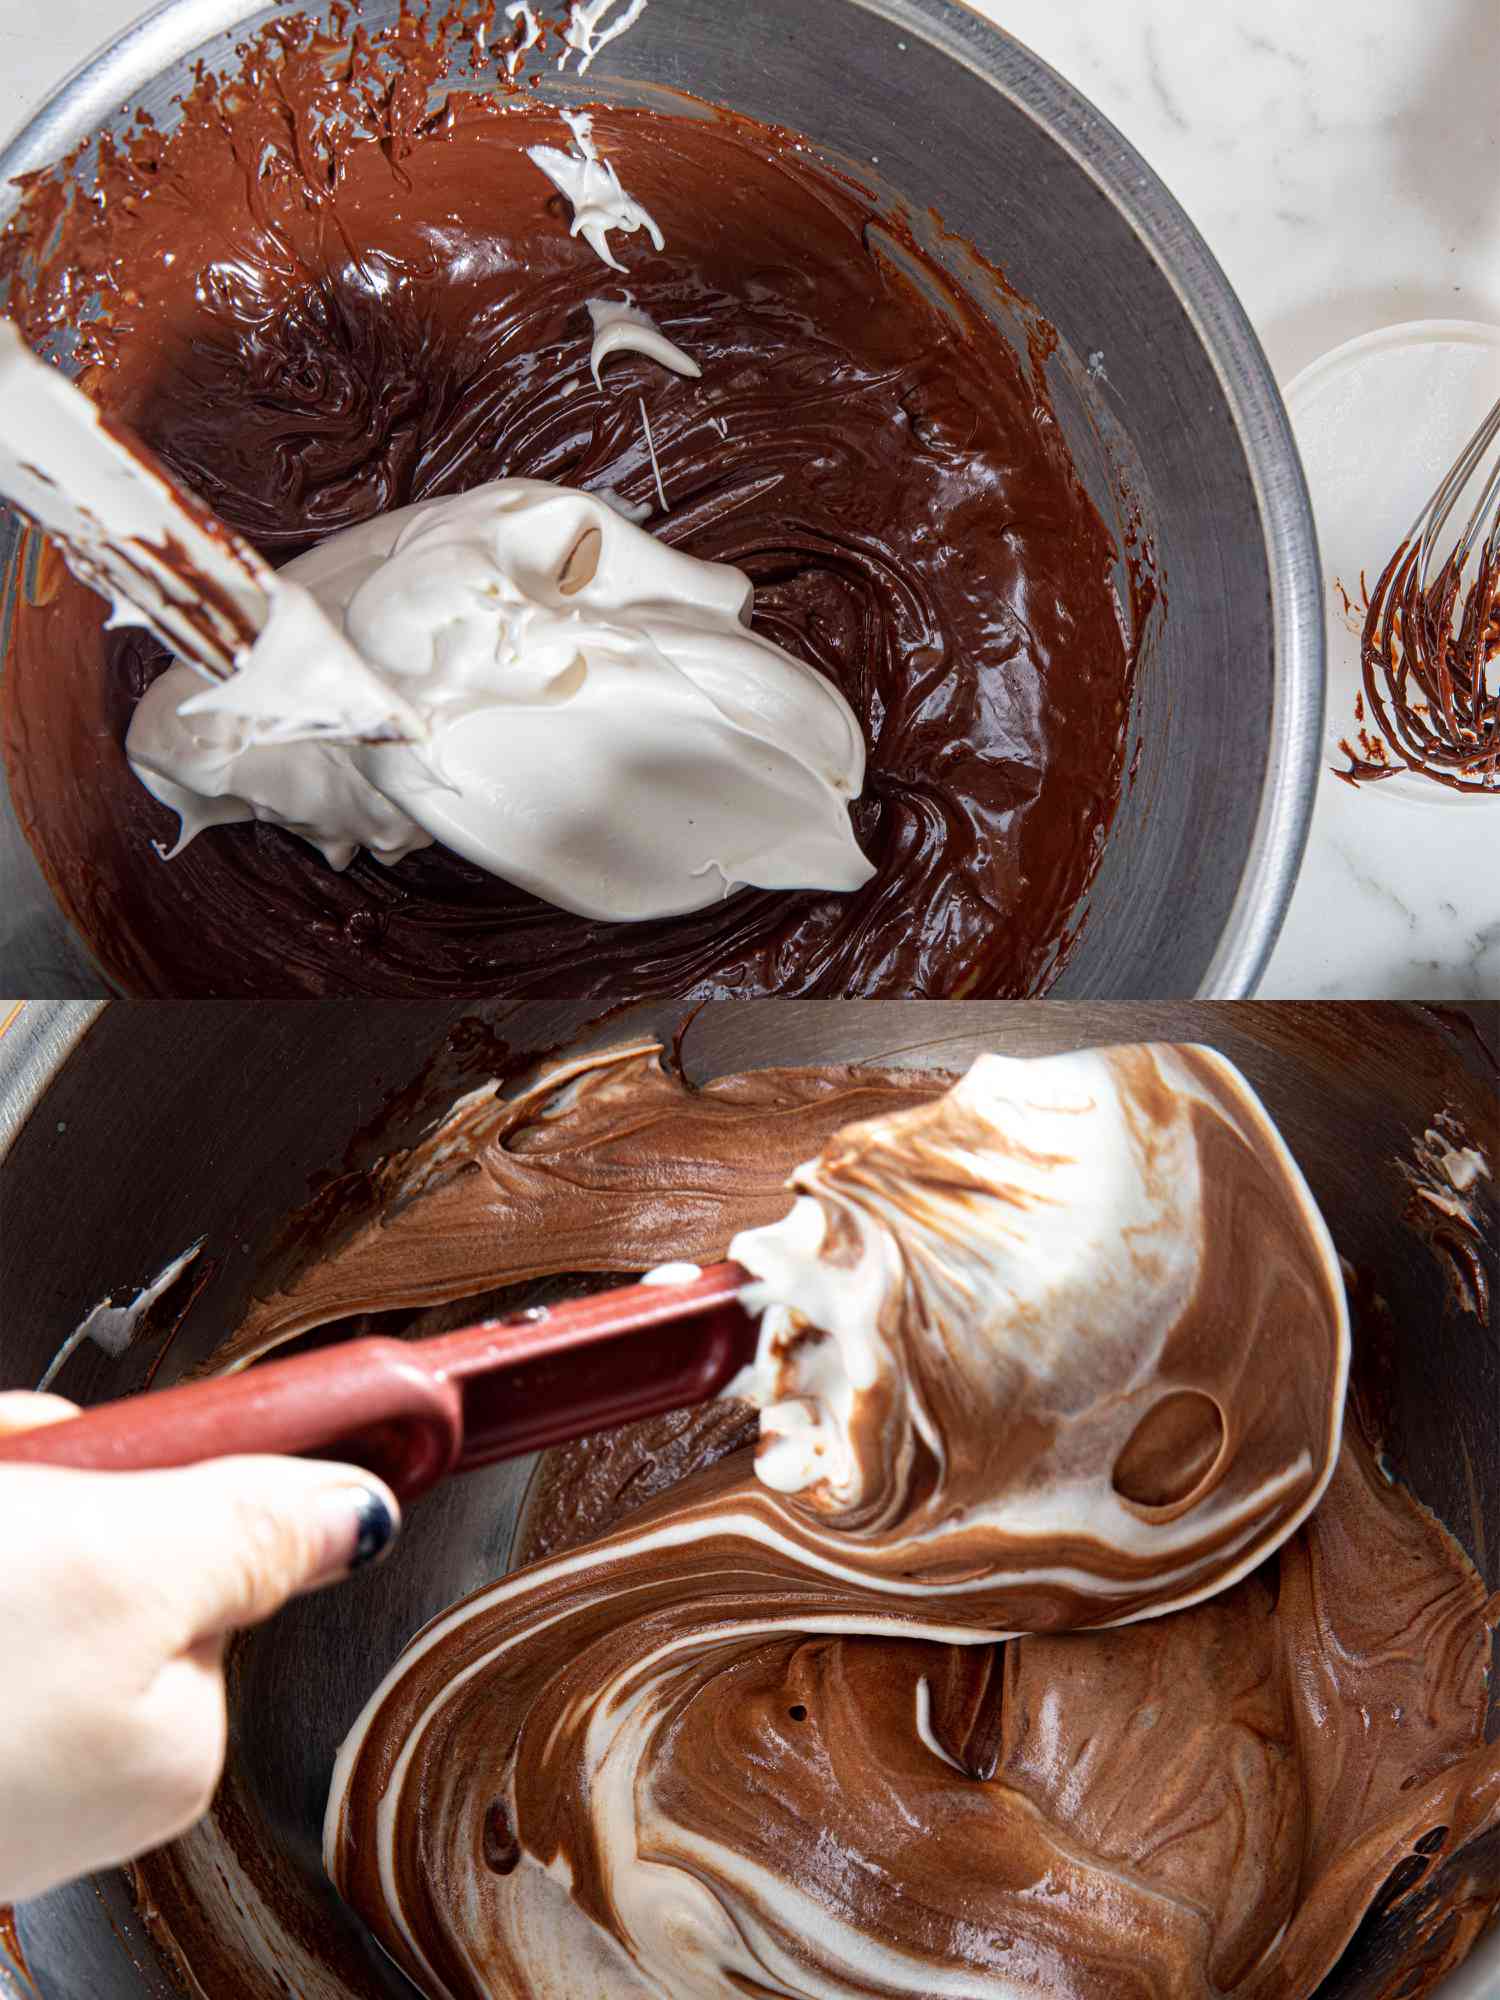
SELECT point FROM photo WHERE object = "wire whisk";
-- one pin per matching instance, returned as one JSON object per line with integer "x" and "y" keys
{"x": 1430, "y": 638}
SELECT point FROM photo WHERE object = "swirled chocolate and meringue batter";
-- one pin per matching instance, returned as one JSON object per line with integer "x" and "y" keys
{"x": 747, "y": 1720}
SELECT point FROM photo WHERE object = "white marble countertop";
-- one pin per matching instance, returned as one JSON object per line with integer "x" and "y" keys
{"x": 1343, "y": 160}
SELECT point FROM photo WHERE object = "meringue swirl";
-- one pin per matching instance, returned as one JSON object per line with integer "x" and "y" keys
{"x": 748, "y": 1741}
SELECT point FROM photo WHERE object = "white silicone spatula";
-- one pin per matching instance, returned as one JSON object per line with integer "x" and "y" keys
{"x": 124, "y": 523}
{"x": 137, "y": 537}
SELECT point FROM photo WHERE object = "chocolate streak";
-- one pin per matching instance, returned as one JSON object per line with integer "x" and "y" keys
{"x": 608, "y": 1165}
{"x": 321, "y": 299}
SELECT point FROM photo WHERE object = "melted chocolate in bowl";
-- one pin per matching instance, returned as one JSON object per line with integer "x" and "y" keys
{"x": 317, "y": 300}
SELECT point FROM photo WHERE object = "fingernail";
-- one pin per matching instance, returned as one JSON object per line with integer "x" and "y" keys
{"x": 361, "y": 1525}
{"x": 377, "y": 1529}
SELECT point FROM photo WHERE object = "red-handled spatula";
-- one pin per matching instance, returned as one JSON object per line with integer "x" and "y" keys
{"x": 415, "y": 1411}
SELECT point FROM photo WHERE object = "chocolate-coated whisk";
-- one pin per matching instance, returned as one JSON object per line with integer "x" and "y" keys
{"x": 1429, "y": 639}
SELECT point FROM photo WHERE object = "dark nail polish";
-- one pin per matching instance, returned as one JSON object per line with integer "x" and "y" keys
{"x": 377, "y": 1530}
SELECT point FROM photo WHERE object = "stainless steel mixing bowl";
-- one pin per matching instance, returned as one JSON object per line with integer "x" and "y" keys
{"x": 127, "y": 1135}
{"x": 1158, "y": 381}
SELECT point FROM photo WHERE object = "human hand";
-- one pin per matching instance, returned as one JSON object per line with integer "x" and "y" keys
{"x": 117, "y": 1593}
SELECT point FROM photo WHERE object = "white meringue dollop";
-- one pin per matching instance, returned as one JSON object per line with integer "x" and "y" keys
{"x": 620, "y": 327}
{"x": 586, "y": 33}
{"x": 599, "y": 724}
{"x": 593, "y": 189}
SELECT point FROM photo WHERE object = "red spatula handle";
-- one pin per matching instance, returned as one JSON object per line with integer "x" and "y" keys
{"x": 636, "y": 1351}
{"x": 377, "y": 1401}
{"x": 413, "y": 1411}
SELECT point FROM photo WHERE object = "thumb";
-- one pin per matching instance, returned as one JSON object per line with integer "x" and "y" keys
{"x": 239, "y": 1537}
{"x": 20, "y": 1410}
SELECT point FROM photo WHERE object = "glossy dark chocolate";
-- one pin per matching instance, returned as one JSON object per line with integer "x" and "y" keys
{"x": 319, "y": 298}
